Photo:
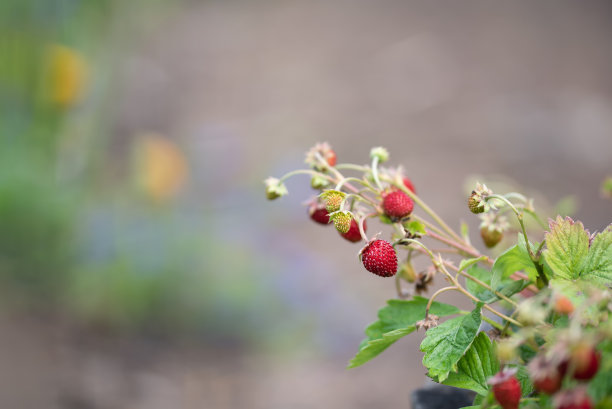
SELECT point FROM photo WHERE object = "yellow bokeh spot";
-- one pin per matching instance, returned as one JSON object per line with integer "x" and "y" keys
{"x": 162, "y": 166}
{"x": 67, "y": 75}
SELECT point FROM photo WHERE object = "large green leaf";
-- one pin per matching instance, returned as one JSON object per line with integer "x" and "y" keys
{"x": 567, "y": 246}
{"x": 374, "y": 347}
{"x": 446, "y": 344}
{"x": 598, "y": 265}
{"x": 516, "y": 258}
{"x": 395, "y": 320}
{"x": 477, "y": 365}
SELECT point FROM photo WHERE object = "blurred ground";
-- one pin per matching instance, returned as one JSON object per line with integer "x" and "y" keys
{"x": 452, "y": 89}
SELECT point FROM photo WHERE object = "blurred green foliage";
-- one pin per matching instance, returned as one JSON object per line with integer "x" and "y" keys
{"x": 74, "y": 240}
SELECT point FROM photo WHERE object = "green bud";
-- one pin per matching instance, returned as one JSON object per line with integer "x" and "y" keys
{"x": 381, "y": 153}
{"x": 275, "y": 189}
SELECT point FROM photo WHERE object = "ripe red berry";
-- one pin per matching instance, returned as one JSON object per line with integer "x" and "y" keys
{"x": 576, "y": 398}
{"x": 397, "y": 205}
{"x": 585, "y": 360}
{"x": 506, "y": 389}
{"x": 546, "y": 374}
{"x": 379, "y": 257}
{"x": 330, "y": 157}
{"x": 319, "y": 214}
{"x": 353, "y": 233}
{"x": 548, "y": 385}
{"x": 409, "y": 185}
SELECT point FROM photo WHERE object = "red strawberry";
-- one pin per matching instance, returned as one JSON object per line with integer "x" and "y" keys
{"x": 319, "y": 214}
{"x": 549, "y": 384}
{"x": 379, "y": 257}
{"x": 353, "y": 233}
{"x": 506, "y": 389}
{"x": 397, "y": 205}
{"x": 576, "y": 398}
{"x": 409, "y": 185}
{"x": 585, "y": 360}
{"x": 545, "y": 374}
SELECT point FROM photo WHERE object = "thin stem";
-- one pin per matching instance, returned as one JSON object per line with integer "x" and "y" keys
{"x": 375, "y": 172}
{"x": 398, "y": 286}
{"x": 430, "y": 225}
{"x": 304, "y": 172}
{"x": 426, "y": 208}
{"x": 493, "y": 323}
{"x": 345, "y": 180}
{"x": 351, "y": 166}
{"x": 488, "y": 287}
{"x": 468, "y": 251}
{"x": 440, "y": 291}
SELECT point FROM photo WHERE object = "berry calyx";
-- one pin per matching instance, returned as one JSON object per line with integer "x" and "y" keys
{"x": 353, "y": 233}
{"x": 319, "y": 214}
{"x": 506, "y": 389}
{"x": 379, "y": 257}
{"x": 397, "y": 205}
{"x": 342, "y": 221}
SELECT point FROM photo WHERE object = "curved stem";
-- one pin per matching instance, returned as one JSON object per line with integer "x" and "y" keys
{"x": 375, "y": 172}
{"x": 488, "y": 287}
{"x": 434, "y": 295}
{"x": 304, "y": 172}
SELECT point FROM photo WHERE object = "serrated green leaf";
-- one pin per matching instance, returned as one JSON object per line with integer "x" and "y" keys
{"x": 396, "y": 320}
{"x": 567, "y": 246}
{"x": 477, "y": 365}
{"x": 516, "y": 258}
{"x": 445, "y": 344}
{"x": 465, "y": 263}
{"x": 403, "y": 313}
{"x": 374, "y": 347}
{"x": 523, "y": 377}
{"x": 598, "y": 265}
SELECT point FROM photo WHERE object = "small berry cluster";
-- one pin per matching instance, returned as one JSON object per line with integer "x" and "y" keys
{"x": 347, "y": 208}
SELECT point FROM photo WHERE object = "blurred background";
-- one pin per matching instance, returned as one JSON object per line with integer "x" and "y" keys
{"x": 140, "y": 264}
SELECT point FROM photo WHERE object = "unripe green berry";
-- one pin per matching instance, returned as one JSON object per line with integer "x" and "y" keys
{"x": 342, "y": 221}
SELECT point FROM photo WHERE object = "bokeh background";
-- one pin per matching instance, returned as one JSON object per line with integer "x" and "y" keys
{"x": 140, "y": 264}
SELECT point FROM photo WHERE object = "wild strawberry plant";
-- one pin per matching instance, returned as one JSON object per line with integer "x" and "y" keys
{"x": 540, "y": 331}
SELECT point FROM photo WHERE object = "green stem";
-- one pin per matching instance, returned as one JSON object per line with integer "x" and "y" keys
{"x": 375, "y": 172}
{"x": 440, "y": 291}
{"x": 304, "y": 172}
{"x": 351, "y": 166}
{"x": 426, "y": 209}
{"x": 349, "y": 179}
{"x": 493, "y": 323}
